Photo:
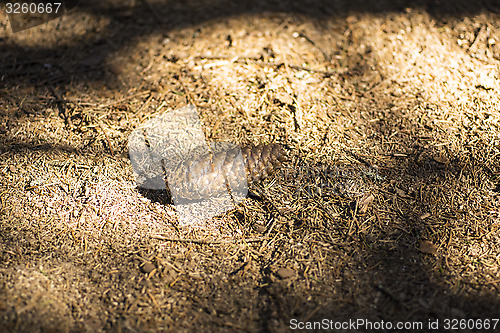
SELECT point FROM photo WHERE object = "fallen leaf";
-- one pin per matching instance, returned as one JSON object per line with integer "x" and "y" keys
{"x": 441, "y": 159}
{"x": 364, "y": 202}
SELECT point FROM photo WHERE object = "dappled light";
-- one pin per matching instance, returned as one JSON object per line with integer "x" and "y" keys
{"x": 383, "y": 206}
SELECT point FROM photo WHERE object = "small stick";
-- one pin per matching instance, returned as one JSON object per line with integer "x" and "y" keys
{"x": 303, "y": 35}
{"x": 359, "y": 158}
{"x": 201, "y": 241}
{"x": 272, "y": 221}
{"x": 189, "y": 98}
{"x": 256, "y": 61}
{"x": 61, "y": 105}
{"x": 107, "y": 139}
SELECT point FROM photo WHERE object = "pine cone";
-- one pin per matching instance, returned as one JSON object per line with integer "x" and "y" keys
{"x": 207, "y": 175}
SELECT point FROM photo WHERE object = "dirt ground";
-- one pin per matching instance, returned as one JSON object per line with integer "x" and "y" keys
{"x": 387, "y": 207}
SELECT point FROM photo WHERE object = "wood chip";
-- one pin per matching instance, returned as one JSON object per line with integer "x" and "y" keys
{"x": 424, "y": 216}
{"x": 428, "y": 247}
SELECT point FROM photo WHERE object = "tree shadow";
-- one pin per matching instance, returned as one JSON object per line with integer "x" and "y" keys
{"x": 84, "y": 59}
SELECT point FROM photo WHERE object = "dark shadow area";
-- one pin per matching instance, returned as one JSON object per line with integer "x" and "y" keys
{"x": 84, "y": 60}
{"x": 161, "y": 196}
{"x": 389, "y": 274}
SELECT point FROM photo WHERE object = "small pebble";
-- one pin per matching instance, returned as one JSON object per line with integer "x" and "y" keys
{"x": 285, "y": 273}
{"x": 428, "y": 247}
{"x": 260, "y": 228}
{"x": 147, "y": 267}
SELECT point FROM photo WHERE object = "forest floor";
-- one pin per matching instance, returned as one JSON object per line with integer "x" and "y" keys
{"x": 386, "y": 208}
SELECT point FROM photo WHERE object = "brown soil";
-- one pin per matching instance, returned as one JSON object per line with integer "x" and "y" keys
{"x": 387, "y": 207}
